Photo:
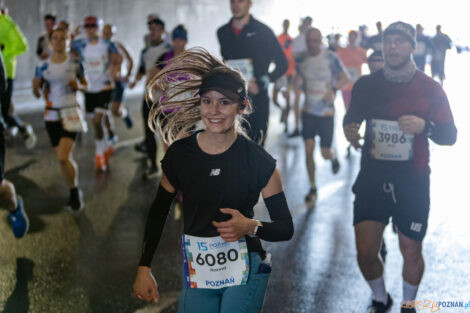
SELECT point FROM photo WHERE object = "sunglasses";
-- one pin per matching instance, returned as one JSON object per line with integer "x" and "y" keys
{"x": 90, "y": 25}
{"x": 154, "y": 22}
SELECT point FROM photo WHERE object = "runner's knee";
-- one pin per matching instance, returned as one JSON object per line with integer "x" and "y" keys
{"x": 411, "y": 253}
{"x": 366, "y": 253}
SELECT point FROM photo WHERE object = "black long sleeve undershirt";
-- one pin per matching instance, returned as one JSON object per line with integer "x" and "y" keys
{"x": 156, "y": 219}
{"x": 281, "y": 228}
{"x": 442, "y": 133}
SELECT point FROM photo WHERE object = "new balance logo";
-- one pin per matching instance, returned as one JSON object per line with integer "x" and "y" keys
{"x": 215, "y": 172}
{"x": 416, "y": 227}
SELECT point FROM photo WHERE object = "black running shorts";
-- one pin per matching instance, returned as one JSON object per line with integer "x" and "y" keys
{"x": 404, "y": 198}
{"x": 97, "y": 100}
{"x": 323, "y": 126}
{"x": 56, "y": 131}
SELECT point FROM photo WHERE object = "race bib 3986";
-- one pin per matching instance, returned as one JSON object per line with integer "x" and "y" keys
{"x": 389, "y": 143}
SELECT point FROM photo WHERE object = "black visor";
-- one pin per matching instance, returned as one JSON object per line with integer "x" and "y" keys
{"x": 226, "y": 85}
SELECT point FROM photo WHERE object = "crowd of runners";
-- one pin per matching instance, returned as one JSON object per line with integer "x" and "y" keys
{"x": 212, "y": 115}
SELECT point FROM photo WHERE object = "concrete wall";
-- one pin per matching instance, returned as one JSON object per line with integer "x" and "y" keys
{"x": 201, "y": 18}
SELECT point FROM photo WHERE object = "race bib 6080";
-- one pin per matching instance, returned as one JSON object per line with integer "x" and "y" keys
{"x": 389, "y": 143}
{"x": 212, "y": 263}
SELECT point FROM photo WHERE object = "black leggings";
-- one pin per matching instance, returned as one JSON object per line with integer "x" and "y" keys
{"x": 150, "y": 141}
{"x": 5, "y": 100}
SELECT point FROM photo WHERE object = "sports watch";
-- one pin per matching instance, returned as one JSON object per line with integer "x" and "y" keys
{"x": 258, "y": 225}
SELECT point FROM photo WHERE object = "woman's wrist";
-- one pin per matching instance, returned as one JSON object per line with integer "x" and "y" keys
{"x": 144, "y": 269}
{"x": 251, "y": 227}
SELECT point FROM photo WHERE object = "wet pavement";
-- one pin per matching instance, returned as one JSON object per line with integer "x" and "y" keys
{"x": 87, "y": 262}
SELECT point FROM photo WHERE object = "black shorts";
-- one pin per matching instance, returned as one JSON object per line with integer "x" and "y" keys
{"x": 322, "y": 126}
{"x": 56, "y": 131}
{"x": 97, "y": 100}
{"x": 404, "y": 198}
{"x": 118, "y": 92}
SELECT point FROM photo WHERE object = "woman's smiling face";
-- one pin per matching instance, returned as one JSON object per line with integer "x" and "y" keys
{"x": 218, "y": 112}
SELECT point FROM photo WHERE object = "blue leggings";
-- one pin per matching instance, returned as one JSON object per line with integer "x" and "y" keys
{"x": 247, "y": 298}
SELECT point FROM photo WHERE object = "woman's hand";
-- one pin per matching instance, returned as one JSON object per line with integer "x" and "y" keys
{"x": 145, "y": 285}
{"x": 235, "y": 228}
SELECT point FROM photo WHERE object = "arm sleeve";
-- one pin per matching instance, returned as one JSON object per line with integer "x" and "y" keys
{"x": 440, "y": 126}
{"x": 155, "y": 222}
{"x": 168, "y": 165}
{"x": 277, "y": 55}
{"x": 3, "y": 75}
{"x": 281, "y": 228}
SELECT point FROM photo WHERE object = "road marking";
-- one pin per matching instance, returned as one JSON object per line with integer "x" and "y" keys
{"x": 128, "y": 142}
{"x": 166, "y": 299}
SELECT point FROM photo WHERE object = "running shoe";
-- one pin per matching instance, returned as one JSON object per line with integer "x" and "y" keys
{"x": 100, "y": 162}
{"x": 408, "y": 310}
{"x": 13, "y": 131}
{"x": 75, "y": 203}
{"x": 295, "y": 133}
{"x": 151, "y": 173}
{"x": 29, "y": 137}
{"x": 312, "y": 195}
{"x": 108, "y": 153}
{"x": 128, "y": 121}
{"x": 141, "y": 147}
{"x": 379, "y": 307}
{"x": 19, "y": 220}
{"x": 113, "y": 138}
{"x": 335, "y": 165}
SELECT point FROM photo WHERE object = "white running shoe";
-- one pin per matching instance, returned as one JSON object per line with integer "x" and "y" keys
{"x": 30, "y": 138}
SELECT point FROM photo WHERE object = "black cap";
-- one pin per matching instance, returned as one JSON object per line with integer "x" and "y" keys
{"x": 403, "y": 29}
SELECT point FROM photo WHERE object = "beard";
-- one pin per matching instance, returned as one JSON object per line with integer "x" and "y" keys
{"x": 400, "y": 65}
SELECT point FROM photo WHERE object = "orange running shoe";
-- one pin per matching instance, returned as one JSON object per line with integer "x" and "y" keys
{"x": 100, "y": 163}
{"x": 108, "y": 153}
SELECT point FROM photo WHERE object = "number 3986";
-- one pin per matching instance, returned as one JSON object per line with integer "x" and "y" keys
{"x": 391, "y": 138}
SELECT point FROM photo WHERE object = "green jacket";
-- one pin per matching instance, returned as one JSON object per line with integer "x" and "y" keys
{"x": 13, "y": 42}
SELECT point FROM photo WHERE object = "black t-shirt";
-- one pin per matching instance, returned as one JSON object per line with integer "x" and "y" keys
{"x": 232, "y": 179}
